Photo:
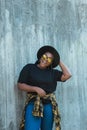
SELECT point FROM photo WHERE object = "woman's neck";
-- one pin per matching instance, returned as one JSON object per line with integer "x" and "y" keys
{"x": 41, "y": 67}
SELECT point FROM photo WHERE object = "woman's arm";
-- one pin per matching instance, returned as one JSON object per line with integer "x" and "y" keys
{"x": 66, "y": 73}
{"x": 29, "y": 88}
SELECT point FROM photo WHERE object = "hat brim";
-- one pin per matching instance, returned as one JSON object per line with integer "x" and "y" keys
{"x": 52, "y": 50}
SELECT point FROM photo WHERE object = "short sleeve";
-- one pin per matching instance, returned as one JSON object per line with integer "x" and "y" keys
{"x": 23, "y": 76}
{"x": 58, "y": 75}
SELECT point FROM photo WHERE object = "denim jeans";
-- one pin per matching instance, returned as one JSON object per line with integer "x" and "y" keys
{"x": 39, "y": 123}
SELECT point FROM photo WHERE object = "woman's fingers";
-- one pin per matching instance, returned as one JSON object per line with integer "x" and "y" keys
{"x": 40, "y": 91}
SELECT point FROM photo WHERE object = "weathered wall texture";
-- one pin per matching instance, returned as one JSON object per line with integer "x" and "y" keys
{"x": 25, "y": 25}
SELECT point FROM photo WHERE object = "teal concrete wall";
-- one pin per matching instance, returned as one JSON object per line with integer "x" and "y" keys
{"x": 26, "y": 25}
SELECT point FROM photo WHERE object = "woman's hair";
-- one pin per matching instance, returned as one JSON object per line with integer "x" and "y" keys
{"x": 49, "y": 67}
{"x": 37, "y": 62}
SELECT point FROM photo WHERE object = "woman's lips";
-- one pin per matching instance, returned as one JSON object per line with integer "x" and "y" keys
{"x": 43, "y": 62}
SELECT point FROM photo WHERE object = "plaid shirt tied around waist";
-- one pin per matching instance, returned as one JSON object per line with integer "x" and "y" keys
{"x": 38, "y": 108}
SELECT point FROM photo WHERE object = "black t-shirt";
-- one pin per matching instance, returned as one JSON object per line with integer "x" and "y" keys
{"x": 46, "y": 79}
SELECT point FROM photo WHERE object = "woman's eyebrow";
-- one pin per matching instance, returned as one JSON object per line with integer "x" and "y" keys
{"x": 48, "y": 56}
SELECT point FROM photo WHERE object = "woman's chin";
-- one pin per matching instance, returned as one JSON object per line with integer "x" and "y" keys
{"x": 42, "y": 65}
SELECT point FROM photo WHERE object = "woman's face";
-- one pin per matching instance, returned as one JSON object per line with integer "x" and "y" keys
{"x": 46, "y": 60}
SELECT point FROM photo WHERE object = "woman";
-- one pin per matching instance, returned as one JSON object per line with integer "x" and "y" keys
{"x": 39, "y": 80}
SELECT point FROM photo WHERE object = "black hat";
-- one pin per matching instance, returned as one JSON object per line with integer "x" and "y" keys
{"x": 52, "y": 50}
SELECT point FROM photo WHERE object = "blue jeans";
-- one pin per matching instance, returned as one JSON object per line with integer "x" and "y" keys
{"x": 39, "y": 123}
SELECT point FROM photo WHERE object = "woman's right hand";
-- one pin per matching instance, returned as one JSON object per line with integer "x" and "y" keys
{"x": 40, "y": 91}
